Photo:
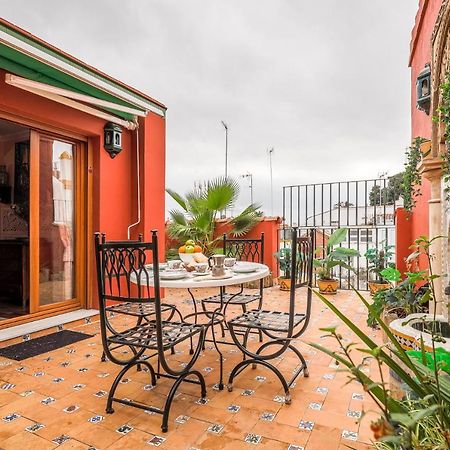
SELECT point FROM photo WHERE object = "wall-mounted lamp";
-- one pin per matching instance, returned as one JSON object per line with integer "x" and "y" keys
{"x": 113, "y": 139}
{"x": 423, "y": 85}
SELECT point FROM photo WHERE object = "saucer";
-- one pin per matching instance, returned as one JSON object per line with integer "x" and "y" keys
{"x": 173, "y": 275}
{"x": 199, "y": 274}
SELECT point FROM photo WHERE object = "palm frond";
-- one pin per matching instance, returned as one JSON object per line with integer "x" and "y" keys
{"x": 179, "y": 231}
{"x": 245, "y": 221}
{"x": 195, "y": 203}
{"x": 178, "y": 198}
{"x": 204, "y": 221}
{"x": 221, "y": 193}
{"x": 178, "y": 217}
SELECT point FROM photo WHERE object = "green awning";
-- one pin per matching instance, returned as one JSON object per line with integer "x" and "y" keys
{"x": 21, "y": 61}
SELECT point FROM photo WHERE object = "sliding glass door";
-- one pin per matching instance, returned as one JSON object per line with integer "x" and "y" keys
{"x": 56, "y": 208}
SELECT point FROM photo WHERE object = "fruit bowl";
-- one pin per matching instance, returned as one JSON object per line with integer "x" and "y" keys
{"x": 187, "y": 258}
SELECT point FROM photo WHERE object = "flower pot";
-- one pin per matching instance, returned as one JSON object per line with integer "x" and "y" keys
{"x": 285, "y": 283}
{"x": 374, "y": 287}
{"x": 328, "y": 286}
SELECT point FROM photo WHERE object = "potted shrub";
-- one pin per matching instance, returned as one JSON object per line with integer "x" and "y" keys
{"x": 379, "y": 259}
{"x": 332, "y": 256}
{"x": 284, "y": 257}
{"x": 406, "y": 297}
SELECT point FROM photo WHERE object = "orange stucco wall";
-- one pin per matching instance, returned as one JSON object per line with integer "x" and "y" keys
{"x": 417, "y": 223}
{"x": 270, "y": 227}
{"x": 114, "y": 180}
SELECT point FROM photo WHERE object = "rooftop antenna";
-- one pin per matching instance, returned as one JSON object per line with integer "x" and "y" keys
{"x": 270, "y": 151}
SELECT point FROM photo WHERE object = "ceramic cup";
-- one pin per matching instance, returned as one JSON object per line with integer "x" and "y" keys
{"x": 174, "y": 264}
{"x": 229, "y": 262}
{"x": 201, "y": 267}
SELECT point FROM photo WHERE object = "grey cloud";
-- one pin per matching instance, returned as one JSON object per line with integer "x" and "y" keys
{"x": 326, "y": 83}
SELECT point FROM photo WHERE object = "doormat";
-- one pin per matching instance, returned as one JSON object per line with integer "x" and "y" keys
{"x": 43, "y": 344}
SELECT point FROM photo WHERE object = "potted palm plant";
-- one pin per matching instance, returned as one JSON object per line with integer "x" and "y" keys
{"x": 332, "y": 256}
{"x": 379, "y": 259}
{"x": 200, "y": 208}
{"x": 284, "y": 257}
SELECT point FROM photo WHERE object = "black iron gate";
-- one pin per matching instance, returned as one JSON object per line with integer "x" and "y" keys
{"x": 366, "y": 208}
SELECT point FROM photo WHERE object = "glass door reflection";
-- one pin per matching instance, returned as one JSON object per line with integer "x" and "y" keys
{"x": 56, "y": 221}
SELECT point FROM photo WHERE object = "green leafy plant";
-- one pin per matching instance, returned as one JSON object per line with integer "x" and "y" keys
{"x": 403, "y": 299}
{"x": 422, "y": 418}
{"x": 409, "y": 295}
{"x": 399, "y": 425}
{"x": 379, "y": 259}
{"x": 411, "y": 176}
{"x": 200, "y": 208}
{"x": 284, "y": 257}
{"x": 333, "y": 255}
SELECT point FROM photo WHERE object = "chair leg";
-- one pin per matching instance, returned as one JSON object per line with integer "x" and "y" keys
{"x": 172, "y": 392}
{"x": 260, "y": 335}
{"x": 112, "y": 391}
{"x": 213, "y": 334}
{"x": 304, "y": 367}
{"x": 240, "y": 367}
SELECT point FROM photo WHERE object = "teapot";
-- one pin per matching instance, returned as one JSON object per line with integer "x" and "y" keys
{"x": 217, "y": 265}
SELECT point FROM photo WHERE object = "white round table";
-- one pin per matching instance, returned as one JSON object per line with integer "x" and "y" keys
{"x": 191, "y": 281}
{"x": 207, "y": 281}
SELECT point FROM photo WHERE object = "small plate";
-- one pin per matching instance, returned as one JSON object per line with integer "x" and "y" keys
{"x": 245, "y": 269}
{"x": 162, "y": 266}
{"x": 200, "y": 274}
{"x": 174, "y": 275}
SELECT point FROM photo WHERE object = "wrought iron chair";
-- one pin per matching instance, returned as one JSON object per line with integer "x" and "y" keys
{"x": 123, "y": 277}
{"x": 140, "y": 311}
{"x": 281, "y": 328}
{"x": 243, "y": 250}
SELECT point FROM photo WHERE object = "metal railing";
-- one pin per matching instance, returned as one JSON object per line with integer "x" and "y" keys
{"x": 365, "y": 207}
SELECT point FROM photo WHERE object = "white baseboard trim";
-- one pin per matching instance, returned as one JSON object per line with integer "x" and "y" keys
{"x": 44, "y": 324}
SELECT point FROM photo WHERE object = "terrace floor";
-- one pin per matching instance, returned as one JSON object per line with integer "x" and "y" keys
{"x": 323, "y": 414}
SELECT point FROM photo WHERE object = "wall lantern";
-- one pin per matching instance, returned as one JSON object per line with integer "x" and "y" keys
{"x": 424, "y": 89}
{"x": 113, "y": 139}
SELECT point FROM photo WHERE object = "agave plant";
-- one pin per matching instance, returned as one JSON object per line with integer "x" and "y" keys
{"x": 200, "y": 208}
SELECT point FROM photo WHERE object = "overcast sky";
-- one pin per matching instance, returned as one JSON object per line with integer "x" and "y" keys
{"x": 325, "y": 83}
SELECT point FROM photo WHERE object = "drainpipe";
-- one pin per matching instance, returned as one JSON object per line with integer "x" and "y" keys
{"x": 138, "y": 173}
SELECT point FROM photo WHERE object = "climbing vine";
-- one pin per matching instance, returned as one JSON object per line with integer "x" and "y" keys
{"x": 411, "y": 176}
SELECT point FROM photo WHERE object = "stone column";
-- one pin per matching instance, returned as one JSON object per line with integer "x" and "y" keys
{"x": 431, "y": 169}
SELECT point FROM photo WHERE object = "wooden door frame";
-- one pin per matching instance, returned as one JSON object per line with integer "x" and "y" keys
{"x": 83, "y": 223}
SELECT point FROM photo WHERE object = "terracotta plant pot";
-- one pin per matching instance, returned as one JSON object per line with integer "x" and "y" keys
{"x": 328, "y": 286}
{"x": 374, "y": 287}
{"x": 285, "y": 284}
{"x": 268, "y": 282}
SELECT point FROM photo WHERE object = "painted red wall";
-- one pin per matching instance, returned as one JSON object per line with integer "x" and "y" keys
{"x": 114, "y": 180}
{"x": 420, "y": 54}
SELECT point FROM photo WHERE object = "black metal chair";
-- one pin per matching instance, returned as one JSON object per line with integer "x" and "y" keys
{"x": 251, "y": 250}
{"x": 281, "y": 328}
{"x": 140, "y": 311}
{"x": 123, "y": 277}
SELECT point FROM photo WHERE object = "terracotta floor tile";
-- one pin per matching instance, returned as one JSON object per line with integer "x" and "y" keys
{"x": 32, "y": 441}
{"x": 356, "y": 445}
{"x": 73, "y": 444}
{"x": 276, "y": 434}
{"x": 209, "y": 441}
{"x": 280, "y": 432}
{"x": 94, "y": 434}
{"x": 241, "y": 422}
{"x": 324, "y": 437}
{"x": 135, "y": 439}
